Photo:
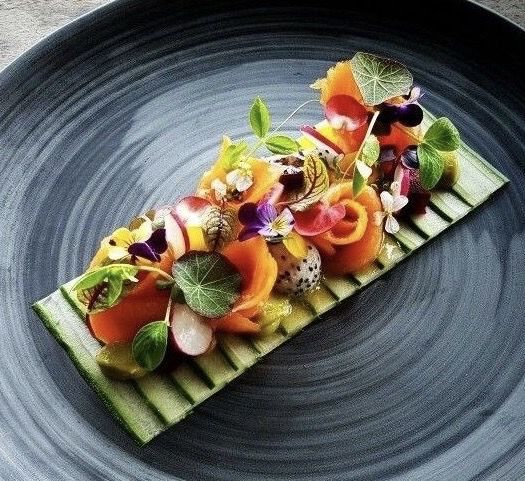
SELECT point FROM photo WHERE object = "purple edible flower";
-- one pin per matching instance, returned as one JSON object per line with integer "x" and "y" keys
{"x": 152, "y": 248}
{"x": 264, "y": 220}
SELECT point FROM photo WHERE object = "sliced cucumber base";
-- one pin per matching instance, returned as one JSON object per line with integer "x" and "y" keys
{"x": 147, "y": 406}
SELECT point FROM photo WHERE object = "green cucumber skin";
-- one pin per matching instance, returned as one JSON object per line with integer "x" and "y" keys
{"x": 409, "y": 240}
{"x": 48, "y": 323}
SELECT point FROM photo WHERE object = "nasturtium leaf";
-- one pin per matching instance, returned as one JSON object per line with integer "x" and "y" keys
{"x": 431, "y": 164}
{"x": 260, "y": 118}
{"x": 380, "y": 79}
{"x": 370, "y": 151}
{"x": 442, "y": 135}
{"x": 316, "y": 182}
{"x": 149, "y": 345}
{"x": 209, "y": 281}
{"x": 281, "y": 144}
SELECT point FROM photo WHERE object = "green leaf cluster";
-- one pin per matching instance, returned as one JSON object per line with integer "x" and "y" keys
{"x": 441, "y": 136}
{"x": 99, "y": 289}
{"x": 260, "y": 123}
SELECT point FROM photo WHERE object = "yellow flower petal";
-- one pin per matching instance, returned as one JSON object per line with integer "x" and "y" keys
{"x": 122, "y": 237}
{"x": 295, "y": 245}
{"x": 196, "y": 238}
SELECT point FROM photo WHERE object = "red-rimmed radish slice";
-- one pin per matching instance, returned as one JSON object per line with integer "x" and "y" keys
{"x": 189, "y": 210}
{"x": 345, "y": 112}
{"x": 176, "y": 237}
{"x": 328, "y": 151}
{"x": 318, "y": 219}
{"x": 320, "y": 141}
{"x": 190, "y": 333}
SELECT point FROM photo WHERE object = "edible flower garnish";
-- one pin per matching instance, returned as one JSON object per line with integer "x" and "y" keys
{"x": 392, "y": 202}
{"x": 264, "y": 220}
{"x": 143, "y": 242}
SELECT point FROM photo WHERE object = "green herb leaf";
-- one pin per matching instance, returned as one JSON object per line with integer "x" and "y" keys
{"x": 431, "y": 165}
{"x": 233, "y": 155}
{"x": 281, "y": 144}
{"x": 316, "y": 182}
{"x": 210, "y": 282}
{"x": 101, "y": 288}
{"x": 370, "y": 151}
{"x": 442, "y": 135}
{"x": 380, "y": 78}
{"x": 260, "y": 118}
{"x": 149, "y": 345}
{"x": 358, "y": 183}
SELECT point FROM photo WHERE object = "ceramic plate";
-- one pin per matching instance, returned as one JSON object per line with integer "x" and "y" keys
{"x": 419, "y": 377}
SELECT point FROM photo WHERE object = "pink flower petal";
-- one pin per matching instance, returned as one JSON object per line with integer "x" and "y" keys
{"x": 345, "y": 112}
{"x": 318, "y": 219}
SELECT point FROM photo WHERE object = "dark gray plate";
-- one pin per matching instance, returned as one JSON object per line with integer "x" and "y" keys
{"x": 420, "y": 377}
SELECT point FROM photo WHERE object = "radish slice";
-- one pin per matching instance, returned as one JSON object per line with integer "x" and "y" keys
{"x": 176, "y": 236}
{"x": 318, "y": 219}
{"x": 345, "y": 112}
{"x": 190, "y": 333}
{"x": 328, "y": 151}
{"x": 319, "y": 140}
{"x": 189, "y": 210}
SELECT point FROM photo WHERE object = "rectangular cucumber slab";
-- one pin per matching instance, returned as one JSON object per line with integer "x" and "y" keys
{"x": 150, "y": 405}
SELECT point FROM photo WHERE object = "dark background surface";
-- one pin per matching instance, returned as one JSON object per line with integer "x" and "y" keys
{"x": 418, "y": 377}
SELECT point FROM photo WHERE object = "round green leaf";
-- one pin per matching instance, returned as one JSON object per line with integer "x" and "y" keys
{"x": 209, "y": 281}
{"x": 442, "y": 135}
{"x": 149, "y": 345}
{"x": 431, "y": 165}
{"x": 380, "y": 78}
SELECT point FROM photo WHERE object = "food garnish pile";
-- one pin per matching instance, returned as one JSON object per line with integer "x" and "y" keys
{"x": 268, "y": 221}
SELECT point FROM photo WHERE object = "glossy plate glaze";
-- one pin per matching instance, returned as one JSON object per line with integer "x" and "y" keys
{"x": 418, "y": 377}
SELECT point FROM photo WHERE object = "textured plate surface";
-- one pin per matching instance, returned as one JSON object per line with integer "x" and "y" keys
{"x": 418, "y": 377}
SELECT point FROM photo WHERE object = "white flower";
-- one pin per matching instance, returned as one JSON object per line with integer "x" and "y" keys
{"x": 241, "y": 179}
{"x": 392, "y": 203}
{"x": 220, "y": 189}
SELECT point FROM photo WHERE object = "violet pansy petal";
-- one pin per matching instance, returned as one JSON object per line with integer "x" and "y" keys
{"x": 248, "y": 233}
{"x": 266, "y": 213}
{"x": 141, "y": 249}
{"x": 157, "y": 241}
{"x": 248, "y": 214}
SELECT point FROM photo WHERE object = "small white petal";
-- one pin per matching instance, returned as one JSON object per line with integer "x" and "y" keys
{"x": 243, "y": 183}
{"x": 399, "y": 202}
{"x": 395, "y": 188}
{"x": 116, "y": 253}
{"x": 233, "y": 176}
{"x": 387, "y": 200}
{"x": 379, "y": 216}
{"x": 363, "y": 169}
{"x": 220, "y": 188}
{"x": 391, "y": 224}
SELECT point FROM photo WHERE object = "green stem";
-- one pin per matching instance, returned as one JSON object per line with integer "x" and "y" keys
{"x": 158, "y": 271}
{"x": 358, "y": 153}
{"x": 276, "y": 129}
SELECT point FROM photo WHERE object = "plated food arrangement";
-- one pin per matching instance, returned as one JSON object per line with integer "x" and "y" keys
{"x": 187, "y": 296}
